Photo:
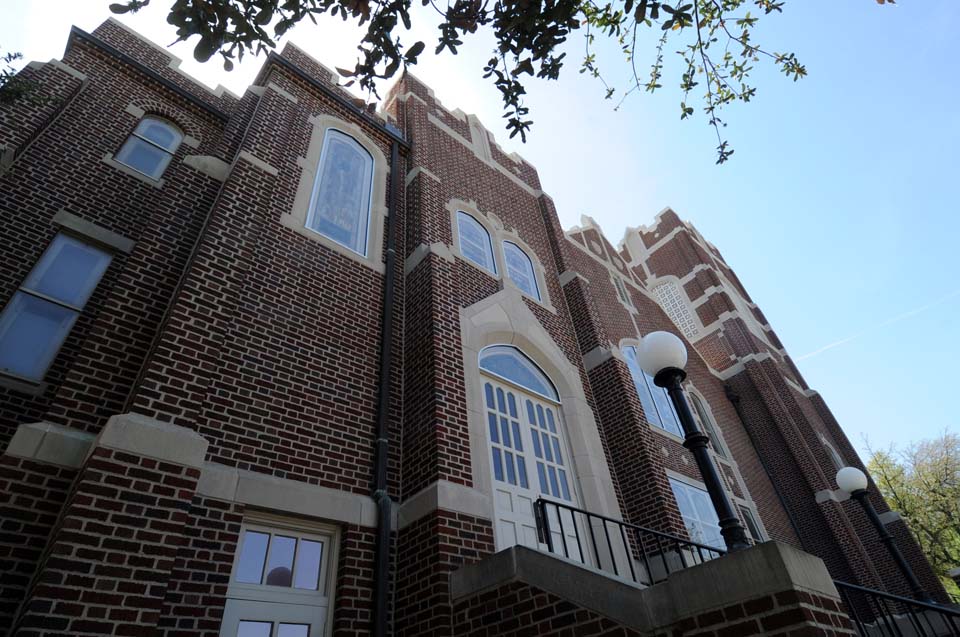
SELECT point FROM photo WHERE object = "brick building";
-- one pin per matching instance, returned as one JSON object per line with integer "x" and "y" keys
{"x": 277, "y": 364}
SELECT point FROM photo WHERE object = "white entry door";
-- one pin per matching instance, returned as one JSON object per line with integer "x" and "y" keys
{"x": 529, "y": 459}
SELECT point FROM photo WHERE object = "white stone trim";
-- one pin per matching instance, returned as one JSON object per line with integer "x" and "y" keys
{"x": 109, "y": 160}
{"x": 150, "y": 438}
{"x": 209, "y": 165}
{"x": 446, "y": 496}
{"x": 283, "y": 495}
{"x": 421, "y": 252}
{"x": 90, "y": 231}
{"x": 51, "y": 443}
{"x": 504, "y": 318}
{"x": 296, "y": 219}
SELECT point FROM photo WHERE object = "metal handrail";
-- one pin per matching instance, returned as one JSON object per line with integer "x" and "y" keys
{"x": 650, "y": 555}
{"x": 879, "y": 614}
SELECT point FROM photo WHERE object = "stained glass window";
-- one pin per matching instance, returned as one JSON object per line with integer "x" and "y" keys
{"x": 340, "y": 204}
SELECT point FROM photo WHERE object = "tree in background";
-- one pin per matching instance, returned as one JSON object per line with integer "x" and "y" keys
{"x": 713, "y": 40}
{"x": 922, "y": 483}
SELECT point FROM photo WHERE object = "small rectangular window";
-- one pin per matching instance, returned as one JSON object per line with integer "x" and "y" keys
{"x": 279, "y": 586}
{"x": 43, "y": 310}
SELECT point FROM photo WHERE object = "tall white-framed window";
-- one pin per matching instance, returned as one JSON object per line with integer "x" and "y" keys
{"x": 835, "y": 458}
{"x": 342, "y": 191}
{"x": 43, "y": 310}
{"x": 282, "y": 581}
{"x": 150, "y": 147}
{"x": 707, "y": 425}
{"x": 520, "y": 269}
{"x": 750, "y": 520}
{"x": 622, "y": 291}
{"x": 655, "y": 401}
{"x": 698, "y": 514}
{"x": 475, "y": 243}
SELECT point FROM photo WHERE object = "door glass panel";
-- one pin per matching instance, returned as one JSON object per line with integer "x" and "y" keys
{"x": 309, "y": 555}
{"x": 293, "y": 630}
{"x": 280, "y": 564}
{"x": 253, "y": 629}
{"x": 252, "y": 556}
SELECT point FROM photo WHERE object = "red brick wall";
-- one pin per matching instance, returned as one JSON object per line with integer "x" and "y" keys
{"x": 520, "y": 609}
{"x": 31, "y": 496}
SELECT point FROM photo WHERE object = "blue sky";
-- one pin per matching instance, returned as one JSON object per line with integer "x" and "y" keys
{"x": 838, "y": 210}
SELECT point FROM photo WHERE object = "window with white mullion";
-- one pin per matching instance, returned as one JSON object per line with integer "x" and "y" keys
{"x": 698, "y": 514}
{"x": 548, "y": 451}
{"x": 507, "y": 445}
{"x": 475, "y": 244}
{"x": 150, "y": 147}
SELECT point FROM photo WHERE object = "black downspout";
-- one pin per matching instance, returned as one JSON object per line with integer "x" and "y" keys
{"x": 734, "y": 398}
{"x": 381, "y": 556}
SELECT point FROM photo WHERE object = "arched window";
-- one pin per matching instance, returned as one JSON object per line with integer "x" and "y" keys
{"x": 475, "y": 242}
{"x": 655, "y": 401}
{"x": 520, "y": 269}
{"x": 150, "y": 147}
{"x": 340, "y": 202}
{"x": 510, "y": 364}
{"x": 707, "y": 424}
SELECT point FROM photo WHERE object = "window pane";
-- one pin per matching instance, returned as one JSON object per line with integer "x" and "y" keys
{"x": 520, "y": 269}
{"x": 31, "y": 332}
{"x": 507, "y": 362}
{"x": 497, "y": 465}
{"x": 309, "y": 556}
{"x": 707, "y": 424}
{"x": 475, "y": 242}
{"x": 340, "y": 208}
{"x": 160, "y": 133}
{"x": 751, "y": 523}
{"x": 280, "y": 564}
{"x": 522, "y": 472}
{"x": 640, "y": 384}
{"x": 254, "y": 629}
{"x": 293, "y": 630}
{"x": 668, "y": 417}
{"x": 252, "y": 555}
{"x": 68, "y": 271}
{"x": 143, "y": 157}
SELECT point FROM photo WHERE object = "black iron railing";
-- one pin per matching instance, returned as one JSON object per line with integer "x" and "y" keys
{"x": 879, "y": 614}
{"x": 645, "y": 555}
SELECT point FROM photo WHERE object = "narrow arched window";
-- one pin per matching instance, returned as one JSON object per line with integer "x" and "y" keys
{"x": 475, "y": 242}
{"x": 340, "y": 202}
{"x": 150, "y": 147}
{"x": 835, "y": 458}
{"x": 520, "y": 269}
{"x": 707, "y": 424}
{"x": 510, "y": 364}
{"x": 655, "y": 401}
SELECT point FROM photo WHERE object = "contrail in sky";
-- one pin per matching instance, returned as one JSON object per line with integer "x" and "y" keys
{"x": 894, "y": 319}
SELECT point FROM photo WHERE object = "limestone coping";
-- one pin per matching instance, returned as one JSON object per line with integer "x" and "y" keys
{"x": 760, "y": 571}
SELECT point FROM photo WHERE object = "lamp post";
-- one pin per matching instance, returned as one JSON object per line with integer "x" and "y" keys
{"x": 854, "y": 483}
{"x": 663, "y": 355}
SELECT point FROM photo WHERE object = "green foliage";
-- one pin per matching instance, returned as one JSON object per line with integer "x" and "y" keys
{"x": 13, "y": 88}
{"x": 714, "y": 38}
{"x": 922, "y": 483}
